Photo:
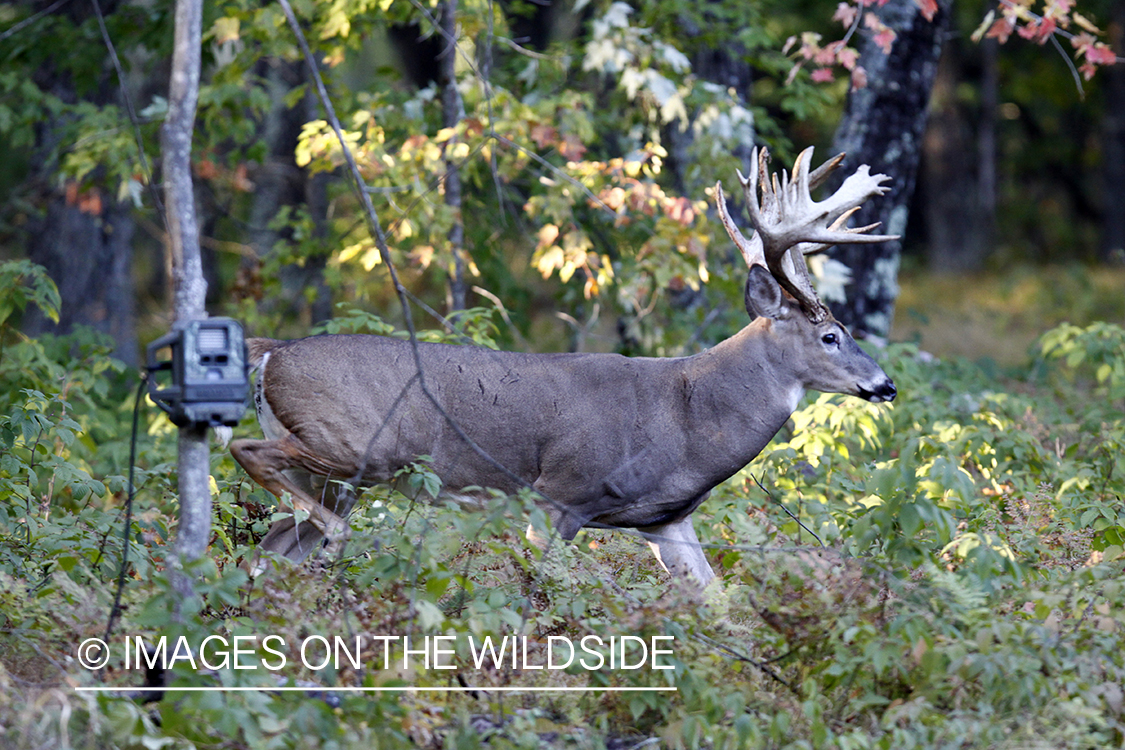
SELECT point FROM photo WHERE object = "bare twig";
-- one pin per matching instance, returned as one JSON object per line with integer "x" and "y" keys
{"x": 787, "y": 511}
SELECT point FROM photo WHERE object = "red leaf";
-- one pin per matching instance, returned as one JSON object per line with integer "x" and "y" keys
{"x": 1046, "y": 28}
{"x": 571, "y": 148}
{"x": 822, "y": 75}
{"x": 885, "y": 39}
{"x": 1100, "y": 54}
{"x": 1001, "y": 30}
{"x": 827, "y": 55}
{"x": 1029, "y": 30}
{"x": 928, "y": 8}
{"x": 884, "y": 35}
{"x": 543, "y": 134}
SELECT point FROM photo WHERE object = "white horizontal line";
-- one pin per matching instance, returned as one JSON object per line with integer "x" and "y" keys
{"x": 405, "y": 689}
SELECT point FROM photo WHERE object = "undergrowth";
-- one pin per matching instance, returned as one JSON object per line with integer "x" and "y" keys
{"x": 943, "y": 572}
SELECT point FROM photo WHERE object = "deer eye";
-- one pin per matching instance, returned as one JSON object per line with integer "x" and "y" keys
{"x": 829, "y": 338}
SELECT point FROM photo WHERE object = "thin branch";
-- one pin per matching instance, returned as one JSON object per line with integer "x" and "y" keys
{"x": 15, "y": 29}
{"x": 146, "y": 170}
{"x": 760, "y": 665}
{"x": 787, "y": 511}
{"x": 524, "y": 50}
{"x": 1069, "y": 64}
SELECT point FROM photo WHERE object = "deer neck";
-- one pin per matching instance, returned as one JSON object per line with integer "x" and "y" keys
{"x": 746, "y": 390}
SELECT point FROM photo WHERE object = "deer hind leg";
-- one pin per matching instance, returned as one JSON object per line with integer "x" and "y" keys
{"x": 295, "y": 540}
{"x": 678, "y": 550}
{"x": 281, "y": 466}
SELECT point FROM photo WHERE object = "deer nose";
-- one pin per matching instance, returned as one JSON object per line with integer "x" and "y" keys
{"x": 885, "y": 391}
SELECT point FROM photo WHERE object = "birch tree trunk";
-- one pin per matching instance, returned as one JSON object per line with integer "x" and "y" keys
{"x": 453, "y": 111}
{"x": 883, "y": 126}
{"x": 190, "y": 290}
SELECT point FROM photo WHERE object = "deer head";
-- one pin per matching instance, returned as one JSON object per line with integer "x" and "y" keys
{"x": 790, "y": 225}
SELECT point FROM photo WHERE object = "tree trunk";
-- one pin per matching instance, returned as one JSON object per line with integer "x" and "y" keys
{"x": 452, "y": 112}
{"x": 956, "y": 190}
{"x": 87, "y": 249}
{"x": 727, "y": 67}
{"x": 1113, "y": 147}
{"x": 83, "y": 239}
{"x": 194, "y": 530}
{"x": 882, "y": 126}
{"x": 279, "y": 182}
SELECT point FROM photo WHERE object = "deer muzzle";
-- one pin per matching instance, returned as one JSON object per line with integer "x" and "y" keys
{"x": 885, "y": 391}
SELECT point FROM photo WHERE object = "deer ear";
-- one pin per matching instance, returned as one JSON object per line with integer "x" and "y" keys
{"x": 763, "y": 295}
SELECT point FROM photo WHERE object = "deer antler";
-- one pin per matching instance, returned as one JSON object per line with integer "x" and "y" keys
{"x": 789, "y": 224}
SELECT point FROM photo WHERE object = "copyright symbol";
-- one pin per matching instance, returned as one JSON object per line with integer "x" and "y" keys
{"x": 93, "y": 653}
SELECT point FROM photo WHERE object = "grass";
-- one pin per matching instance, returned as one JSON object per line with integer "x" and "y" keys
{"x": 998, "y": 317}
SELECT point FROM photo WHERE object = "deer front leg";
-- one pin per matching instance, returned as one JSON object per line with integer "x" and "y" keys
{"x": 266, "y": 461}
{"x": 678, "y": 550}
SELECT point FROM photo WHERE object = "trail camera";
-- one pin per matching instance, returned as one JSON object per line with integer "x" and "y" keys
{"x": 209, "y": 381}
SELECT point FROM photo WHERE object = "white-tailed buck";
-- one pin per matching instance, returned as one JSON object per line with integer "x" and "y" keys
{"x": 607, "y": 440}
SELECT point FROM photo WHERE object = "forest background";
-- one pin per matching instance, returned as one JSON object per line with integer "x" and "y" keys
{"x": 943, "y": 572}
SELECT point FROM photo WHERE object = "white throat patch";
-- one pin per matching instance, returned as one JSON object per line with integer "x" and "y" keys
{"x": 795, "y": 395}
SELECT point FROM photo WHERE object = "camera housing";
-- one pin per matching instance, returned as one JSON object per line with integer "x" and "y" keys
{"x": 209, "y": 375}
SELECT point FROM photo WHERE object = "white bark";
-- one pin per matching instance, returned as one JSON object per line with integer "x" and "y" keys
{"x": 194, "y": 530}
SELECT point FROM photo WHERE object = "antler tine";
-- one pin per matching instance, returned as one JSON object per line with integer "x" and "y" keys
{"x": 751, "y": 249}
{"x": 820, "y": 174}
{"x": 767, "y": 185}
{"x": 801, "y": 192}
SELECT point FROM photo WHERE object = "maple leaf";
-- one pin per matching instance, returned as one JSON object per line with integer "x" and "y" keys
{"x": 680, "y": 210}
{"x": 929, "y": 8}
{"x": 827, "y": 56}
{"x": 793, "y": 73}
{"x": 859, "y": 78}
{"x": 1058, "y": 9}
{"x": 847, "y": 57}
{"x": 1002, "y": 29}
{"x": 1086, "y": 23}
{"x": 543, "y": 134}
{"x": 571, "y": 148}
{"x": 845, "y": 14}
{"x": 1029, "y": 31}
{"x": 884, "y": 35}
{"x": 1046, "y": 27}
{"x": 1100, "y": 54}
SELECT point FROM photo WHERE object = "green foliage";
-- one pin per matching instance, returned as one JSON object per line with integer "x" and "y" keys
{"x": 963, "y": 587}
{"x": 968, "y": 591}
{"x": 472, "y": 326}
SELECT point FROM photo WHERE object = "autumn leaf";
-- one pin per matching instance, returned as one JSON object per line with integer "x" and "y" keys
{"x": 1002, "y": 29}
{"x": 680, "y": 210}
{"x": 845, "y": 14}
{"x": 884, "y": 35}
{"x": 928, "y": 7}
{"x": 543, "y": 134}
{"x": 548, "y": 233}
{"x": 572, "y": 148}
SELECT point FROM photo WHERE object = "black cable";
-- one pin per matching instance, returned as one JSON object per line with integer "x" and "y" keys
{"x": 126, "y": 531}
